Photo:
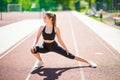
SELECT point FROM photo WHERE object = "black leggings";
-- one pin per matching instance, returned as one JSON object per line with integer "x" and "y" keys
{"x": 47, "y": 47}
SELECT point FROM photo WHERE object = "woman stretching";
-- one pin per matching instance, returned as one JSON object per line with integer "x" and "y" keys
{"x": 49, "y": 31}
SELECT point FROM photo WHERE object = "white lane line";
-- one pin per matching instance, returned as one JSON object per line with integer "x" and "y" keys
{"x": 29, "y": 75}
{"x": 98, "y": 53}
{"x": 76, "y": 48}
{"x": 92, "y": 31}
{"x": 105, "y": 46}
{"x": 33, "y": 68}
{"x": 17, "y": 44}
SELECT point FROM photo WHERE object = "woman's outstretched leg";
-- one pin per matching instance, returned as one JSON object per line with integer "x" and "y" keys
{"x": 63, "y": 52}
{"x": 85, "y": 61}
{"x": 80, "y": 59}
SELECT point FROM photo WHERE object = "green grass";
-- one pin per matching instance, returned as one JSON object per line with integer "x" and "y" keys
{"x": 98, "y": 19}
{"x": 83, "y": 10}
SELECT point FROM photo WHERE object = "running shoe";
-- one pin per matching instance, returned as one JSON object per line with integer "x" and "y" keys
{"x": 38, "y": 64}
{"x": 92, "y": 64}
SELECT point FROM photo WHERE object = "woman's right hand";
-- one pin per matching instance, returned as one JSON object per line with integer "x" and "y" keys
{"x": 33, "y": 49}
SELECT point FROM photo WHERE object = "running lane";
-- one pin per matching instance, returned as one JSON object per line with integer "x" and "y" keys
{"x": 92, "y": 47}
{"x": 80, "y": 40}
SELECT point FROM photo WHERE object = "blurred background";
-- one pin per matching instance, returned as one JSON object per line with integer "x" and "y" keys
{"x": 92, "y": 8}
{"x": 56, "y": 5}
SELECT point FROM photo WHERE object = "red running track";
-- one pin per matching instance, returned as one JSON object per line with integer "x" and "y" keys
{"x": 79, "y": 39}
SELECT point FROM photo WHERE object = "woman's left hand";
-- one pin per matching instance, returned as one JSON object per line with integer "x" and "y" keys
{"x": 67, "y": 52}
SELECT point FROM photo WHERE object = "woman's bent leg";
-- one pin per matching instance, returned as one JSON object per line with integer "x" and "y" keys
{"x": 38, "y": 50}
{"x": 37, "y": 55}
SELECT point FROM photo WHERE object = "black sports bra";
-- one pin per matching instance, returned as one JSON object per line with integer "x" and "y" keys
{"x": 47, "y": 36}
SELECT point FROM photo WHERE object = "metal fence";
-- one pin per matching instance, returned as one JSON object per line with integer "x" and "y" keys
{"x": 115, "y": 6}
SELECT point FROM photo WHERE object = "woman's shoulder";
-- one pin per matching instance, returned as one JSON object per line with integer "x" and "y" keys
{"x": 41, "y": 27}
{"x": 56, "y": 29}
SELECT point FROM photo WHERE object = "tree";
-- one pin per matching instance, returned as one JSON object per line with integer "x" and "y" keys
{"x": 4, "y": 4}
{"x": 91, "y": 2}
{"x": 26, "y": 4}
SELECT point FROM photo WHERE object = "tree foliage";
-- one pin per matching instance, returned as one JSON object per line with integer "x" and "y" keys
{"x": 48, "y": 4}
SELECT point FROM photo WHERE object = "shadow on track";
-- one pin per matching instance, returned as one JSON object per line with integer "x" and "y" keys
{"x": 53, "y": 73}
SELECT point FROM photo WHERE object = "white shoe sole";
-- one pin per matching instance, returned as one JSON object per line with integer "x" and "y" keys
{"x": 38, "y": 64}
{"x": 92, "y": 64}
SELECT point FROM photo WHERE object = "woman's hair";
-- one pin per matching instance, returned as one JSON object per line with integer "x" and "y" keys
{"x": 53, "y": 16}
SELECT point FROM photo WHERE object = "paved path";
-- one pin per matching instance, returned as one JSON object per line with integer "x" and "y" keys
{"x": 80, "y": 40}
{"x": 109, "y": 34}
{"x": 12, "y": 17}
{"x": 13, "y": 33}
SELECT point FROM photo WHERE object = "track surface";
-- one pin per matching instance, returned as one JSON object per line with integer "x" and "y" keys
{"x": 77, "y": 37}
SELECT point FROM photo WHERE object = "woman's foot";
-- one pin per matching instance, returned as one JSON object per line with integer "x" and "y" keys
{"x": 38, "y": 64}
{"x": 92, "y": 64}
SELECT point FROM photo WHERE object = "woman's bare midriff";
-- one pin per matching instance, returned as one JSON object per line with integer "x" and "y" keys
{"x": 49, "y": 41}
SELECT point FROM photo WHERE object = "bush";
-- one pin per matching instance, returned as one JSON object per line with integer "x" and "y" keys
{"x": 83, "y": 4}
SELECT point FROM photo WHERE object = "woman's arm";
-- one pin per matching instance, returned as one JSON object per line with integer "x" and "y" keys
{"x": 60, "y": 39}
{"x": 38, "y": 36}
{"x": 36, "y": 39}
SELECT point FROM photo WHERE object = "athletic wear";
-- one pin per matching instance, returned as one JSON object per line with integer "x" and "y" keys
{"x": 53, "y": 46}
{"x": 47, "y": 36}
{"x": 47, "y": 47}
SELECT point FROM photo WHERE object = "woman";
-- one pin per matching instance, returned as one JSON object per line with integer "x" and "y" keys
{"x": 49, "y": 44}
